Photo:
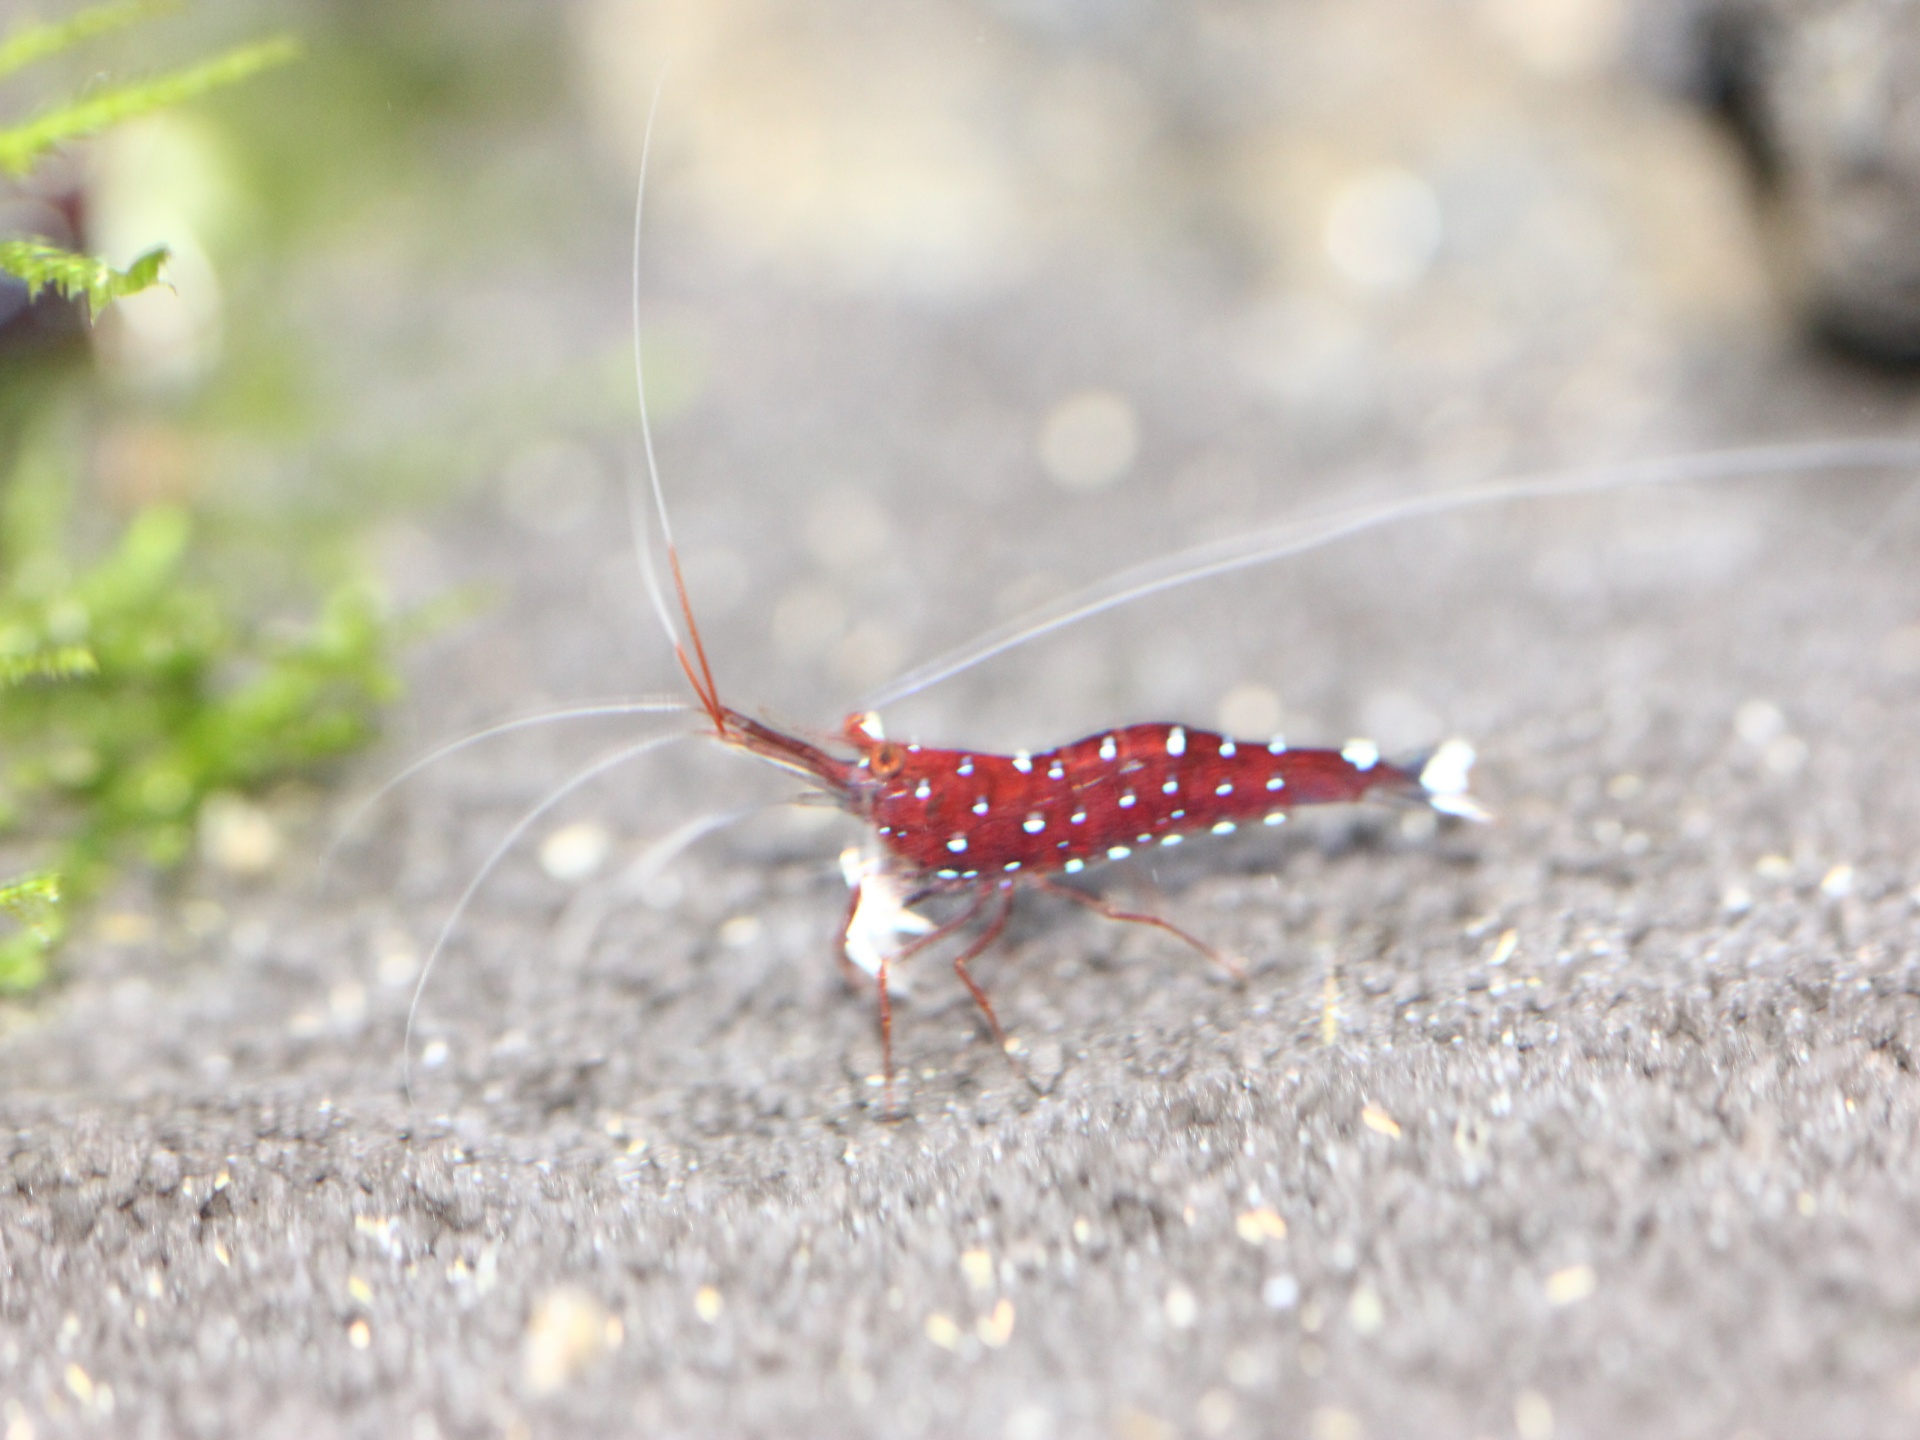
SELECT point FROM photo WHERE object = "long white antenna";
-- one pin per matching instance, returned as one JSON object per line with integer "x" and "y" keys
{"x": 589, "y": 711}
{"x": 1293, "y": 537}
{"x": 581, "y": 921}
{"x": 636, "y": 507}
{"x": 507, "y": 842}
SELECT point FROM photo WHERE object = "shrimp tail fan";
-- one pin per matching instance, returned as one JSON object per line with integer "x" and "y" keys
{"x": 1438, "y": 778}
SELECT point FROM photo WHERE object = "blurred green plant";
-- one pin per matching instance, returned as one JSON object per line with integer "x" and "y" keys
{"x": 78, "y": 277}
{"x": 132, "y": 687}
{"x": 33, "y": 903}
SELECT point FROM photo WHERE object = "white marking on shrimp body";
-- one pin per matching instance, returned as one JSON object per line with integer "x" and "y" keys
{"x": 1225, "y": 787}
{"x": 1444, "y": 778}
{"x": 1361, "y": 754}
{"x": 922, "y": 790}
{"x": 1118, "y": 852}
{"x": 1079, "y": 817}
{"x": 1011, "y": 866}
{"x": 1074, "y": 867}
{"x": 1022, "y": 761}
{"x": 1176, "y": 741}
{"x": 1277, "y": 746}
{"x": 1228, "y": 749}
{"x": 980, "y": 806}
{"x": 1056, "y": 771}
{"x": 1034, "y": 824}
{"x": 1276, "y": 782}
{"x": 958, "y": 844}
{"x": 1172, "y": 787}
{"x": 1109, "y": 747}
{"x": 1276, "y": 817}
{"x": 1171, "y": 839}
{"x": 1225, "y": 827}
{"x": 966, "y": 765}
{"x": 881, "y": 918}
{"x": 1127, "y": 800}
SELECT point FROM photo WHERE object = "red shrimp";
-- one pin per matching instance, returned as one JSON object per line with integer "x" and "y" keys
{"x": 981, "y": 825}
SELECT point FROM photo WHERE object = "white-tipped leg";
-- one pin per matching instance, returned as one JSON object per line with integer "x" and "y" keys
{"x": 880, "y": 919}
{"x": 1444, "y": 778}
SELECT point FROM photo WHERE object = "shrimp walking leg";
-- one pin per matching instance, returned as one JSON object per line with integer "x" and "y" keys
{"x": 984, "y": 939}
{"x": 938, "y": 933}
{"x": 1137, "y": 917}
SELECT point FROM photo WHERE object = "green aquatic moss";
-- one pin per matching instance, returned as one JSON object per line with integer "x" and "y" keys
{"x": 136, "y": 677}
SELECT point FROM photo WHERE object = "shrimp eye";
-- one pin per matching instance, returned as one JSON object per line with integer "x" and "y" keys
{"x": 887, "y": 760}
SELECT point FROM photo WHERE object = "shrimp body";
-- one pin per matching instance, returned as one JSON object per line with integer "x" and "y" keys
{"x": 961, "y": 816}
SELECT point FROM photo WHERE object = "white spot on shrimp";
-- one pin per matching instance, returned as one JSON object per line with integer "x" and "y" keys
{"x": 922, "y": 791}
{"x": 1277, "y": 745}
{"x": 980, "y": 806}
{"x": 969, "y": 874}
{"x": 1034, "y": 824}
{"x": 913, "y": 749}
{"x": 1127, "y": 800}
{"x": 1172, "y": 787}
{"x": 1225, "y": 787}
{"x": 1171, "y": 839}
{"x": 1276, "y": 817}
{"x": 1011, "y": 866}
{"x": 880, "y": 918}
{"x": 1276, "y": 782}
{"x": 1444, "y": 778}
{"x": 1074, "y": 867}
{"x": 1176, "y": 741}
{"x": 1118, "y": 852}
{"x": 1022, "y": 761}
{"x": 958, "y": 844}
{"x": 966, "y": 765}
{"x": 1146, "y": 839}
{"x": 886, "y": 830}
{"x": 1361, "y": 754}
{"x": 1225, "y": 827}
{"x": 1056, "y": 771}
{"x": 1079, "y": 817}
{"x": 949, "y": 874}
{"x": 1228, "y": 749}
{"x": 1178, "y": 815}
{"x": 1109, "y": 747}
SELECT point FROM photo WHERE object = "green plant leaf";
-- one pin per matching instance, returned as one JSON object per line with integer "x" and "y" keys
{"x": 33, "y": 902}
{"x": 63, "y": 663}
{"x": 77, "y": 276}
{"x": 32, "y": 42}
{"x": 22, "y": 145}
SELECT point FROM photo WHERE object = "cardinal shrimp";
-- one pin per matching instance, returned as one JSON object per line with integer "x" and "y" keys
{"x": 951, "y": 833}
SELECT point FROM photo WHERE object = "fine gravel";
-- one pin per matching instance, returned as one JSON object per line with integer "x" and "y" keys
{"x": 1601, "y": 1120}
